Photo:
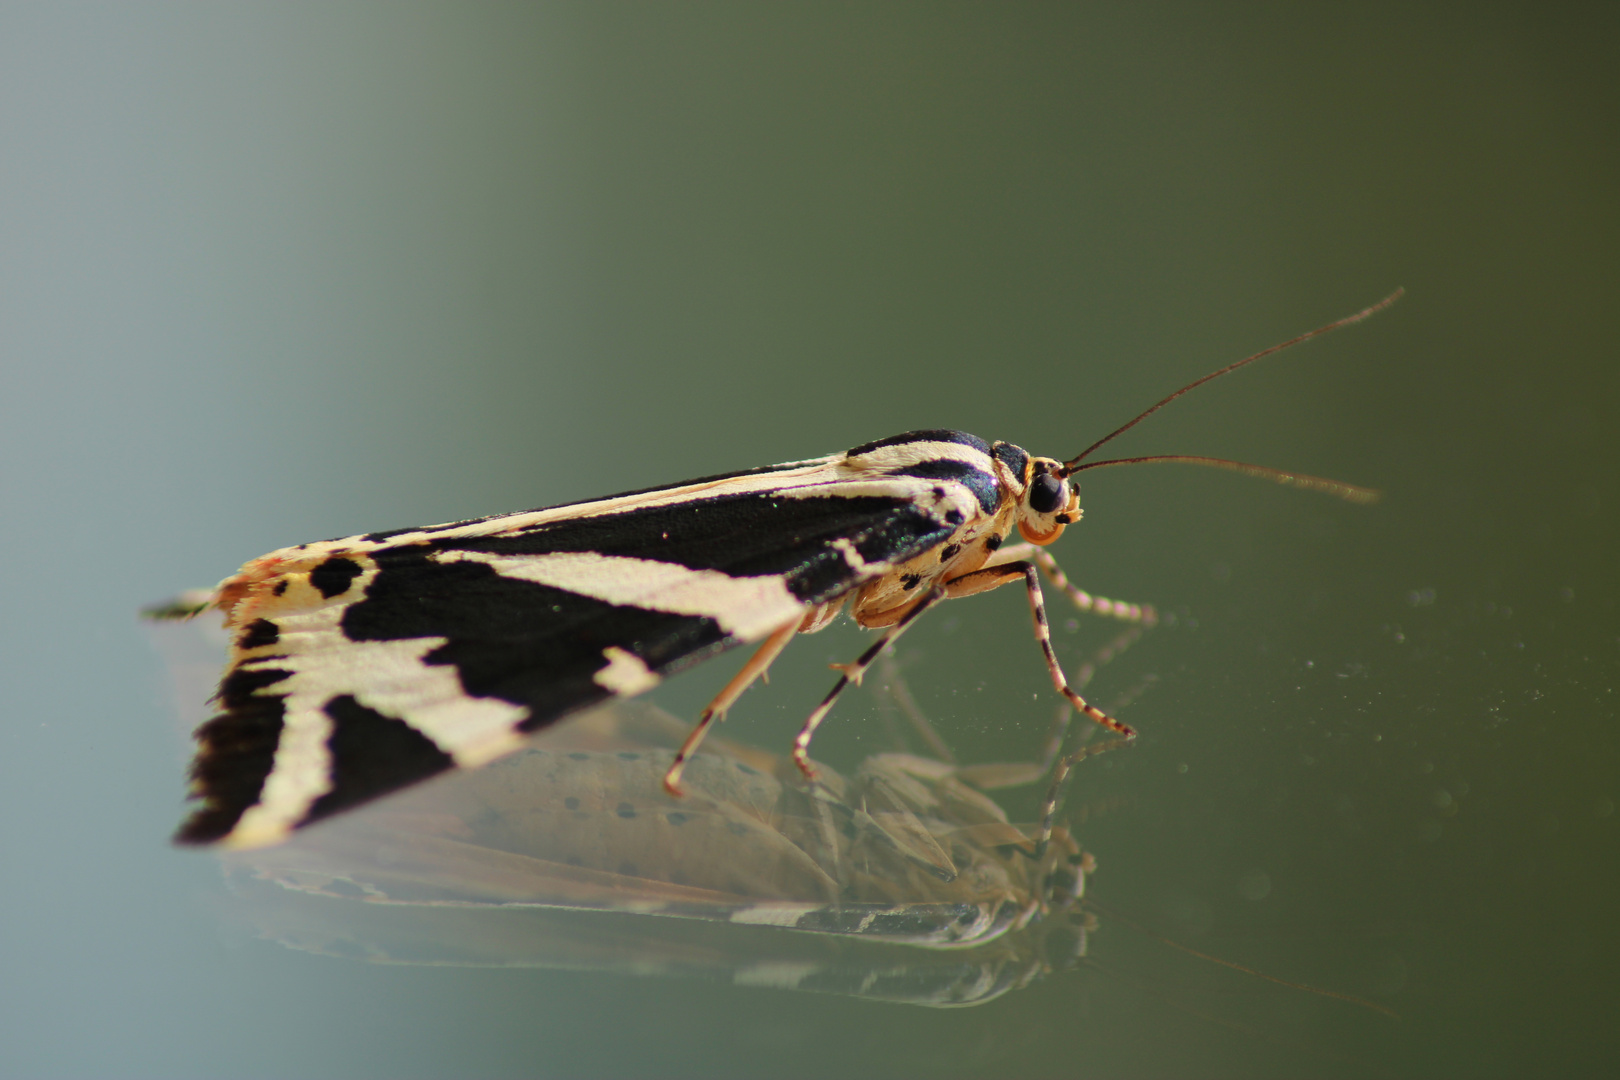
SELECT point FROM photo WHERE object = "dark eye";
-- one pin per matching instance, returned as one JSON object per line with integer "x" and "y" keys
{"x": 1047, "y": 493}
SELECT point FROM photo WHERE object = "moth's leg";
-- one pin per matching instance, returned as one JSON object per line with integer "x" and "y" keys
{"x": 1100, "y": 605}
{"x": 852, "y": 674}
{"x": 1142, "y": 615}
{"x": 987, "y": 578}
{"x": 762, "y": 658}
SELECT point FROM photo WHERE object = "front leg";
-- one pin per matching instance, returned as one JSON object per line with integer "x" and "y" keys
{"x": 1101, "y": 605}
{"x": 987, "y": 578}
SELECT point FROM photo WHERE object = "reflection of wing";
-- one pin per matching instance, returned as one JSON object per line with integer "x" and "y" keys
{"x": 362, "y": 665}
{"x": 570, "y": 854}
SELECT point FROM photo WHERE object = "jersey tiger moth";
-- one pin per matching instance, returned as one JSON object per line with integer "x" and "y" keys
{"x": 364, "y": 664}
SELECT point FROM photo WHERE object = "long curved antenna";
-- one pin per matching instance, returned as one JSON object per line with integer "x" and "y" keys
{"x": 1348, "y": 492}
{"x": 1070, "y": 466}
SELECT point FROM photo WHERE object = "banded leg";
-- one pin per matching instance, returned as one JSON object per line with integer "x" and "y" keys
{"x": 1083, "y": 675}
{"x": 989, "y": 578}
{"x": 852, "y": 674}
{"x": 1099, "y": 605}
{"x": 755, "y": 668}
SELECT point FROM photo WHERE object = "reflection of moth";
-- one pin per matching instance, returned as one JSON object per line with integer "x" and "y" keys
{"x": 570, "y": 854}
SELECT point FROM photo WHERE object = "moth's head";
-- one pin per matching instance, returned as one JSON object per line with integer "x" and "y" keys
{"x": 1048, "y": 501}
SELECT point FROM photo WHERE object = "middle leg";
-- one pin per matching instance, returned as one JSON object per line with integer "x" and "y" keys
{"x": 1145, "y": 614}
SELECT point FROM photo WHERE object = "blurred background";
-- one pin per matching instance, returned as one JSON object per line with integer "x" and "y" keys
{"x": 276, "y": 272}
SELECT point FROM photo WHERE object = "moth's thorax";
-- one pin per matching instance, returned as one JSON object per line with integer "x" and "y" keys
{"x": 1020, "y": 493}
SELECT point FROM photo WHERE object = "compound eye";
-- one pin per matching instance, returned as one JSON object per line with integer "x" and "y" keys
{"x": 1047, "y": 493}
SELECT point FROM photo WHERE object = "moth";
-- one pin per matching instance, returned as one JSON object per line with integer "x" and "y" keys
{"x": 362, "y": 665}
{"x": 901, "y": 881}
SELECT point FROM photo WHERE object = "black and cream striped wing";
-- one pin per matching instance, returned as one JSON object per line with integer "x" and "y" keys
{"x": 365, "y": 664}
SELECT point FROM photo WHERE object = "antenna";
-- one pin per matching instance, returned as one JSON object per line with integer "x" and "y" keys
{"x": 1311, "y": 483}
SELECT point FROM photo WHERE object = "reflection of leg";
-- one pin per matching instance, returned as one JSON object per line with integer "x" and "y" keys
{"x": 1082, "y": 677}
{"x": 894, "y": 683}
{"x": 853, "y": 673}
{"x": 1005, "y": 774}
{"x": 1054, "y": 790}
{"x": 756, "y": 667}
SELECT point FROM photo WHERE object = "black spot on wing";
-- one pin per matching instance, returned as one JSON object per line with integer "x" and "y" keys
{"x": 334, "y": 576}
{"x": 961, "y": 438}
{"x": 518, "y": 641}
{"x": 373, "y": 754}
{"x": 258, "y": 633}
{"x": 742, "y": 535}
{"x": 981, "y": 483}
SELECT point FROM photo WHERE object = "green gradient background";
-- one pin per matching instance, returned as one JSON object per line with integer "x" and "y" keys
{"x": 274, "y": 272}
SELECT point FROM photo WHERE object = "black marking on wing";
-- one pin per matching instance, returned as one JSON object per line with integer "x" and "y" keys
{"x": 912, "y": 921}
{"x": 784, "y": 467}
{"x": 1014, "y": 457}
{"x": 235, "y": 753}
{"x": 373, "y": 754}
{"x": 239, "y": 689}
{"x": 519, "y": 641}
{"x": 981, "y": 483}
{"x": 926, "y": 435}
{"x": 742, "y": 535}
{"x": 334, "y": 576}
{"x": 529, "y": 644}
{"x": 258, "y": 633}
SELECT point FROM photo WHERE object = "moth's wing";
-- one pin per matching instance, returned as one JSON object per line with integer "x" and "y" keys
{"x": 363, "y": 665}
